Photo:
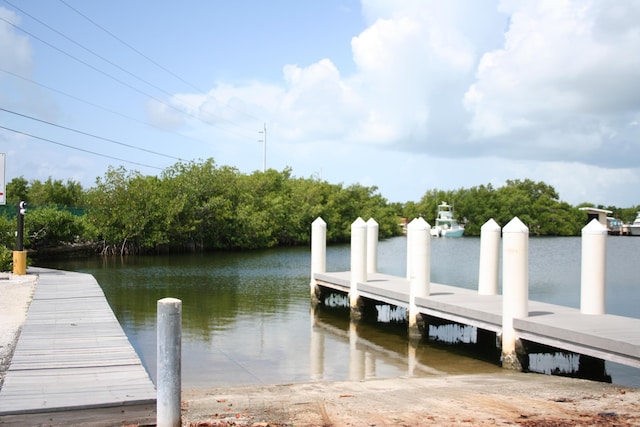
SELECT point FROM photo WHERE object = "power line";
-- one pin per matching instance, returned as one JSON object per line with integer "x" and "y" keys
{"x": 90, "y": 134}
{"x": 131, "y": 47}
{"x": 140, "y": 91}
{"x": 84, "y": 101}
{"x": 79, "y": 149}
{"x": 165, "y": 69}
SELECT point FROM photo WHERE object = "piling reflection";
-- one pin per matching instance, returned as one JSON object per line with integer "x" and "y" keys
{"x": 380, "y": 350}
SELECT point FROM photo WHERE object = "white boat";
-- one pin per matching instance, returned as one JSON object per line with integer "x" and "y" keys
{"x": 446, "y": 225}
{"x": 634, "y": 229}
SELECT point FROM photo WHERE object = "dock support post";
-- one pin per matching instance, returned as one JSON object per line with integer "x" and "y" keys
{"x": 169, "y": 381}
{"x": 515, "y": 287}
{"x": 593, "y": 270}
{"x": 420, "y": 280}
{"x": 409, "y": 249}
{"x": 489, "y": 258}
{"x": 318, "y": 254}
{"x": 358, "y": 264}
{"x": 372, "y": 246}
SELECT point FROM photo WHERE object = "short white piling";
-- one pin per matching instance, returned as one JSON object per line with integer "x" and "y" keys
{"x": 169, "y": 360}
{"x": 489, "y": 258}
{"x": 318, "y": 252}
{"x": 372, "y": 246}
{"x": 515, "y": 286}
{"x": 358, "y": 262}
{"x": 420, "y": 279}
{"x": 593, "y": 271}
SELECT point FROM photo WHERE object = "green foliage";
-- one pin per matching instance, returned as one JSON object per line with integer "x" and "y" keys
{"x": 51, "y": 192}
{"x": 202, "y": 206}
{"x": 536, "y": 204}
{"x": 7, "y": 232}
{"x": 6, "y": 259}
{"x": 50, "y": 226}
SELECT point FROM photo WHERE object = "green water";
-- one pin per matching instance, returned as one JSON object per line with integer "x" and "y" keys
{"x": 247, "y": 317}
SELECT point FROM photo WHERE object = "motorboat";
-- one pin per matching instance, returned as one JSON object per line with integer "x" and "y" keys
{"x": 446, "y": 225}
{"x": 634, "y": 228}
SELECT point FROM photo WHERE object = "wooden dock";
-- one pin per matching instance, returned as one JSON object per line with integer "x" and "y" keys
{"x": 73, "y": 364}
{"x": 607, "y": 337}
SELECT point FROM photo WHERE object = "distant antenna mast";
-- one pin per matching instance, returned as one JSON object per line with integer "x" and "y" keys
{"x": 264, "y": 149}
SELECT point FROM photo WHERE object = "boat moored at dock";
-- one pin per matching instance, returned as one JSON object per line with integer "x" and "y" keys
{"x": 446, "y": 225}
{"x": 634, "y": 228}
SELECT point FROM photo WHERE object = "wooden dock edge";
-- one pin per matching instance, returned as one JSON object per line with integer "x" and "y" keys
{"x": 140, "y": 413}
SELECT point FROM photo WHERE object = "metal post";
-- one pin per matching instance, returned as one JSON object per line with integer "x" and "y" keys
{"x": 19, "y": 254}
{"x": 264, "y": 148}
{"x": 22, "y": 206}
{"x": 169, "y": 362}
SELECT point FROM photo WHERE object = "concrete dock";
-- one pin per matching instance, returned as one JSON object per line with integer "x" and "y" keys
{"x": 605, "y": 336}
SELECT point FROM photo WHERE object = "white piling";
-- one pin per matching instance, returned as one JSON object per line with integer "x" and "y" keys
{"x": 372, "y": 246}
{"x": 489, "y": 258}
{"x": 318, "y": 251}
{"x": 358, "y": 260}
{"x": 593, "y": 272}
{"x": 409, "y": 249}
{"x": 515, "y": 286}
{"x": 419, "y": 232}
{"x": 169, "y": 359}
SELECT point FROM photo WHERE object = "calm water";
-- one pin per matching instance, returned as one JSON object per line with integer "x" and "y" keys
{"x": 247, "y": 317}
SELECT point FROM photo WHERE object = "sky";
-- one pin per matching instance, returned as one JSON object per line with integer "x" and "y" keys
{"x": 406, "y": 96}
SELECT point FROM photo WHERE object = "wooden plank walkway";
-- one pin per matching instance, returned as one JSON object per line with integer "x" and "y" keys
{"x": 608, "y": 337}
{"x": 73, "y": 364}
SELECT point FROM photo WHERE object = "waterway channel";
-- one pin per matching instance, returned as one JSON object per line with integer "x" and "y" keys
{"x": 247, "y": 317}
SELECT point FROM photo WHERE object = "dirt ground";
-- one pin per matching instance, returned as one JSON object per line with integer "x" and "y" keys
{"x": 464, "y": 400}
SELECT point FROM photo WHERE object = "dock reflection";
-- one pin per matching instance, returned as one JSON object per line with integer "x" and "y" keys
{"x": 380, "y": 350}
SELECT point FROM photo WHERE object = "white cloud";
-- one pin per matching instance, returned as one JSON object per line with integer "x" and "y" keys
{"x": 163, "y": 116}
{"x": 563, "y": 83}
{"x": 15, "y": 49}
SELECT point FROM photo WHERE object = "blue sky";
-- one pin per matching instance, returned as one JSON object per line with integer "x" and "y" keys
{"x": 405, "y": 96}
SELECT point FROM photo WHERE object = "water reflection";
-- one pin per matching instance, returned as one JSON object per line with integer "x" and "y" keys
{"x": 379, "y": 350}
{"x": 246, "y": 317}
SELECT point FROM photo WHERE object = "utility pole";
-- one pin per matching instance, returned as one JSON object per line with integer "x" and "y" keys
{"x": 264, "y": 150}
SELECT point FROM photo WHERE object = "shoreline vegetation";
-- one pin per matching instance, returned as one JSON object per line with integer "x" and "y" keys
{"x": 200, "y": 206}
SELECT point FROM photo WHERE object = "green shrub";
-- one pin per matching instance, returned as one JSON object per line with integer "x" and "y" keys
{"x": 6, "y": 259}
{"x": 50, "y": 226}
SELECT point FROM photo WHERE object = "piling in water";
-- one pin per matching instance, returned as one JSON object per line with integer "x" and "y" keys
{"x": 420, "y": 278}
{"x": 515, "y": 287}
{"x": 593, "y": 268}
{"x": 358, "y": 263}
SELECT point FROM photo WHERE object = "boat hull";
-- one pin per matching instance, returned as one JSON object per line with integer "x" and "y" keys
{"x": 447, "y": 232}
{"x": 453, "y": 233}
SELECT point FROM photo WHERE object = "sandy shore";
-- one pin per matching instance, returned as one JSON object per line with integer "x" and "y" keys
{"x": 483, "y": 399}
{"x": 469, "y": 400}
{"x": 15, "y": 296}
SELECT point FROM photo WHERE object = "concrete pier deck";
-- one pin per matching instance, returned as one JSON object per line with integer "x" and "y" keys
{"x": 608, "y": 337}
{"x": 73, "y": 364}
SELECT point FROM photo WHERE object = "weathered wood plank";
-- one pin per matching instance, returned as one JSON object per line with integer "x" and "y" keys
{"x": 73, "y": 364}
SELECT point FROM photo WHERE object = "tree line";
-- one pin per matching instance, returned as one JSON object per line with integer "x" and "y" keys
{"x": 199, "y": 206}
